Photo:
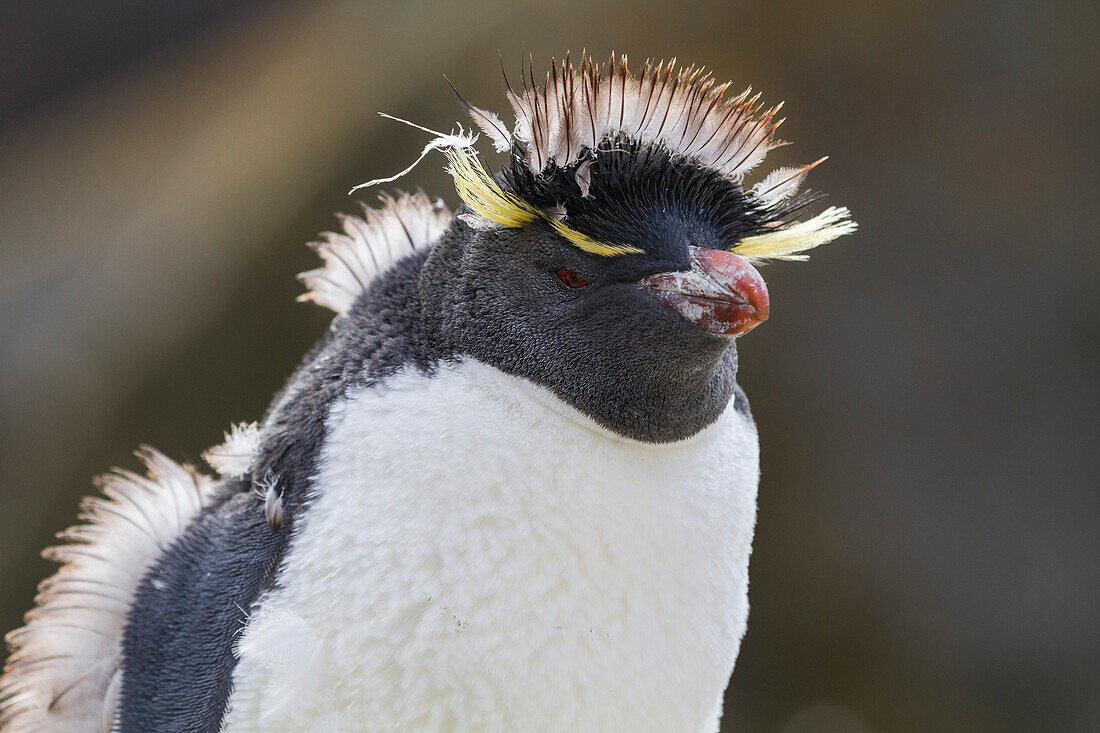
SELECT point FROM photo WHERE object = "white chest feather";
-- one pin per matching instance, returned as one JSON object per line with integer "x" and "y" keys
{"x": 480, "y": 556}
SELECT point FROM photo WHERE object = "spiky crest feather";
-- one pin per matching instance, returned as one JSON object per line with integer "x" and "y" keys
{"x": 682, "y": 108}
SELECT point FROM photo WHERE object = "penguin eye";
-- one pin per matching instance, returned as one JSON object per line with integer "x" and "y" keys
{"x": 571, "y": 279}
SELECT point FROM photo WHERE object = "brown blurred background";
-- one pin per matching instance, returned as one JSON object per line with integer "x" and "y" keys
{"x": 928, "y": 553}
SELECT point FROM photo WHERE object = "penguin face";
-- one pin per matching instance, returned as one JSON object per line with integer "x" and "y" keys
{"x": 642, "y": 342}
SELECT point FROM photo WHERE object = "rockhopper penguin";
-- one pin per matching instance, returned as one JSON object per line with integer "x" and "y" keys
{"x": 514, "y": 486}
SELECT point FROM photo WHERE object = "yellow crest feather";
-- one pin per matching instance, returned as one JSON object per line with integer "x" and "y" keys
{"x": 590, "y": 245}
{"x": 791, "y": 241}
{"x": 487, "y": 199}
{"x": 483, "y": 195}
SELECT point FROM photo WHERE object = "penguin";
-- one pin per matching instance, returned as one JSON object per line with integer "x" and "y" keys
{"x": 513, "y": 487}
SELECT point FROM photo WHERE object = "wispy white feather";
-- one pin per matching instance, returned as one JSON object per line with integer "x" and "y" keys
{"x": 461, "y": 140}
{"x": 235, "y": 456}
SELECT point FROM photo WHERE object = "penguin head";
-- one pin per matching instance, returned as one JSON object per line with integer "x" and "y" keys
{"x": 636, "y": 328}
{"x": 611, "y": 258}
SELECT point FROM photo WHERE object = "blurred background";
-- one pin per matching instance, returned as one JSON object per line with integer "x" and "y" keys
{"x": 928, "y": 549}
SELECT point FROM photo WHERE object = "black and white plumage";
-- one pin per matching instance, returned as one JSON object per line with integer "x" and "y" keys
{"x": 512, "y": 488}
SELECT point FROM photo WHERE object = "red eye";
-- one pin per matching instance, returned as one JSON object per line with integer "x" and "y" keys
{"x": 571, "y": 279}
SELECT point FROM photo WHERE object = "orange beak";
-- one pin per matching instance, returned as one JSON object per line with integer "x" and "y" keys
{"x": 721, "y": 293}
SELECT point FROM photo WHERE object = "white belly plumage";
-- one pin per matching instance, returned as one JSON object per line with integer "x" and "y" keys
{"x": 481, "y": 556}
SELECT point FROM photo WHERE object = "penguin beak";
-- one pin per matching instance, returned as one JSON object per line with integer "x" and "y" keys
{"x": 721, "y": 293}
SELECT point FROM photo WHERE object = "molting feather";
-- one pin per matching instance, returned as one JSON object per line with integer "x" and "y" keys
{"x": 235, "y": 456}
{"x": 64, "y": 672}
{"x": 370, "y": 245}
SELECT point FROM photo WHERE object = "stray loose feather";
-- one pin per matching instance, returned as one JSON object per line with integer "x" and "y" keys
{"x": 267, "y": 488}
{"x": 442, "y": 141}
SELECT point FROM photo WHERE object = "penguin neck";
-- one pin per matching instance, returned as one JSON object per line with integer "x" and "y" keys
{"x": 667, "y": 404}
